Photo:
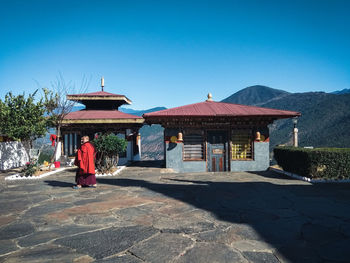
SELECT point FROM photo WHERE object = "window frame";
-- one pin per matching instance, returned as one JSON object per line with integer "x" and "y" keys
{"x": 248, "y": 132}
{"x": 194, "y": 132}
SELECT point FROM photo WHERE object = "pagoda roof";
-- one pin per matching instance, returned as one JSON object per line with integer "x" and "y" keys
{"x": 101, "y": 116}
{"x": 98, "y": 96}
{"x": 221, "y": 109}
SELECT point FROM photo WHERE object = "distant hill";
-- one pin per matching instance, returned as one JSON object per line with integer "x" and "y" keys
{"x": 325, "y": 120}
{"x": 140, "y": 112}
{"x": 255, "y": 95}
{"x": 343, "y": 91}
{"x": 151, "y": 136}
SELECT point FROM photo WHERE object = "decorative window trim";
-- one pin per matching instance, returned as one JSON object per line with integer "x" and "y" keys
{"x": 242, "y": 145}
{"x": 197, "y": 150}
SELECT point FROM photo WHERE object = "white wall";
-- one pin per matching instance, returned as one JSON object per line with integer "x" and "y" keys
{"x": 12, "y": 155}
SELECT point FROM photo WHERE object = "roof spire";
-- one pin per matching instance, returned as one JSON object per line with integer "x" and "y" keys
{"x": 102, "y": 83}
{"x": 210, "y": 97}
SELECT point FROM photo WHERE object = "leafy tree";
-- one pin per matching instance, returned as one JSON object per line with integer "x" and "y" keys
{"x": 22, "y": 118}
{"x": 108, "y": 148}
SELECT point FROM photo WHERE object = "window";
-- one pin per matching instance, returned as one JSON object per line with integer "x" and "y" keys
{"x": 193, "y": 147}
{"x": 242, "y": 145}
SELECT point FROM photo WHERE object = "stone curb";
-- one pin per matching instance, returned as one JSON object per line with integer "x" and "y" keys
{"x": 120, "y": 168}
{"x": 19, "y": 177}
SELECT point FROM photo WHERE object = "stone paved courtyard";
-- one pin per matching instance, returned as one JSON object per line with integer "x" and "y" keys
{"x": 147, "y": 215}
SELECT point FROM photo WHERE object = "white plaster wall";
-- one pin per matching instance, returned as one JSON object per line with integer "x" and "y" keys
{"x": 58, "y": 152}
{"x": 12, "y": 155}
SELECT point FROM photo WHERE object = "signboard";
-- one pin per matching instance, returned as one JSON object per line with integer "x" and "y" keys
{"x": 218, "y": 151}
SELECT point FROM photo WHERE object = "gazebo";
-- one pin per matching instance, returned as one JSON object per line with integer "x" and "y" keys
{"x": 101, "y": 115}
{"x": 216, "y": 136}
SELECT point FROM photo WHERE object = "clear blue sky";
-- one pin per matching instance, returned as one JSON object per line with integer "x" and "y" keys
{"x": 172, "y": 53}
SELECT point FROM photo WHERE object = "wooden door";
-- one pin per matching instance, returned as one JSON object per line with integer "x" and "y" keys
{"x": 216, "y": 151}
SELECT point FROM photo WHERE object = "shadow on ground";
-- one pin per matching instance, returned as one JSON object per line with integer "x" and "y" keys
{"x": 150, "y": 164}
{"x": 306, "y": 223}
{"x": 59, "y": 183}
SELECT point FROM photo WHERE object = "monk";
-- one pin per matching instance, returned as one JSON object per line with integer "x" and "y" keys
{"x": 85, "y": 160}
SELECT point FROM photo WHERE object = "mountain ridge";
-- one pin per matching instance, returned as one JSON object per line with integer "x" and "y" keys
{"x": 256, "y": 95}
{"x": 325, "y": 119}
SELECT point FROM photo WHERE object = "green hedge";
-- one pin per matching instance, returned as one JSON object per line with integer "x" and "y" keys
{"x": 320, "y": 163}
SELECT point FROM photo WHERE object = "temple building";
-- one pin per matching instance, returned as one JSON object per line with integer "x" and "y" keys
{"x": 101, "y": 115}
{"x": 215, "y": 136}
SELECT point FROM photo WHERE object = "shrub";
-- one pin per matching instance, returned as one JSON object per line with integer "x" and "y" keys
{"x": 325, "y": 163}
{"x": 29, "y": 169}
{"x": 108, "y": 148}
{"x": 44, "y": 157}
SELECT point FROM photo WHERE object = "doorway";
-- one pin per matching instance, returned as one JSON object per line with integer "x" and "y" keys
{"x": 217, "y": 151}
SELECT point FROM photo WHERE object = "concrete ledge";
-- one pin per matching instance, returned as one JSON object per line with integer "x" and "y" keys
{"x": 19, "y": 177}
{"x": 119, "y": 169}
{"x": 306, "y": 179}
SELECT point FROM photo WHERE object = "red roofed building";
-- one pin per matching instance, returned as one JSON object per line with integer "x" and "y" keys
{"x": 101, "y": 114}
{"x": 216, "y": 136}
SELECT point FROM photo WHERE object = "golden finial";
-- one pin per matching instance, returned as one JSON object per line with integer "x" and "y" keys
{"x": 210, "y": 97}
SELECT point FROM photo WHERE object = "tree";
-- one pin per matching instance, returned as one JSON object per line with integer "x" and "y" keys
{"x": 108, "y": 147}
{"x": 57, "y": 104}
{"x": 22, "y": 118}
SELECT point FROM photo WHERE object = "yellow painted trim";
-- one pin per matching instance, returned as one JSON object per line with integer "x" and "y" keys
{"x": 80, "y": 98}
{"x": 92, "y": 121}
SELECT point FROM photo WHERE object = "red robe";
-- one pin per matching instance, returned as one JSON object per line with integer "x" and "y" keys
{"x": 85, "y": 160}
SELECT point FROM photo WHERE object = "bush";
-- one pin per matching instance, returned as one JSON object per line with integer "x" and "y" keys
{"x": 44, "y": 157}
{"x": 322, "y": 163}
{"x": 29, "y": 169}
{"x": 108, "y": 148}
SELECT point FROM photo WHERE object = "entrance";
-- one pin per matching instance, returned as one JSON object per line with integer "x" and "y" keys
{"x": 217, "y": 151}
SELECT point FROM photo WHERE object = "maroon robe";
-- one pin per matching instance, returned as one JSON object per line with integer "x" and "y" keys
{"x": 85, "y": 160}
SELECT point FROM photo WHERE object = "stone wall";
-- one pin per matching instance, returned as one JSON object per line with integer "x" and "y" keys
{"x": 12, "y": 155}
{"x": 261, "y": 160}
{"x": 175, "y": 161}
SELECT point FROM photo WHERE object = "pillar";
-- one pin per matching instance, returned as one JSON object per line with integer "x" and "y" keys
{"x": 137, "y": 156}
{"x": 295, "y": 137}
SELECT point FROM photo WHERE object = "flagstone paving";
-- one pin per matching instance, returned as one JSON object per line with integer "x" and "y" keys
{"x": 146, "y": 214}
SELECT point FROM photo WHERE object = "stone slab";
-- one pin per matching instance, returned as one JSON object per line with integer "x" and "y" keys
{"x": 161, "y": 248}
{"x": 209, "y": 253}
{"x": 15, "y": 230}
{"x": 260, "y": 257}
{"x": 113, "y": 240}
{"x": 120, "y": 259}
{"x": 7, "y": 246}
{"x": 45, "y": 253}
{"x": 46, "y": 235}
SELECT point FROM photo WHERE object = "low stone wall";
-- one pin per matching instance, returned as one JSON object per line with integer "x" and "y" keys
{"x": 261, "y": 160}
{"x": 12, "y": 155}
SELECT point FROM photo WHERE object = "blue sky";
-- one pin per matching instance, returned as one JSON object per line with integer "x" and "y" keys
{"x": 172, "y": 53}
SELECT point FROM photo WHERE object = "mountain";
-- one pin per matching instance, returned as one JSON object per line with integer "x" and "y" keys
{"x": 140, "y": 112}
{"x": 325, "y": 120}
{"x": 151, "y": 136}
{"x": 255, "y": 95}
{"x": 343, "y": 91}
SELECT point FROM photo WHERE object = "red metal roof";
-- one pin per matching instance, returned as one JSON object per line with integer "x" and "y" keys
{"x": 98, "y": 94}
{"x": 212, "y": 108}
{"x": 99, "y": 114}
